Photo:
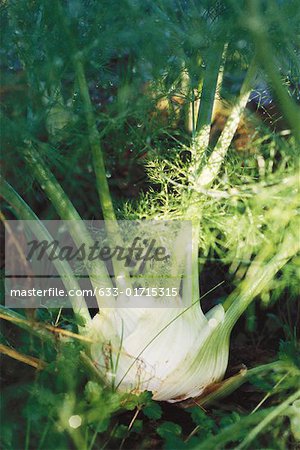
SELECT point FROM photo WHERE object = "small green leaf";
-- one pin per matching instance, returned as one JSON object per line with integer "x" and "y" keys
{"x": 169, "y": 428}
{"x": 153, "y": 411}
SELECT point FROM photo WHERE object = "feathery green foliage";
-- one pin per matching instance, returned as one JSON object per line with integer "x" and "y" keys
{"x": 101, "y": 119}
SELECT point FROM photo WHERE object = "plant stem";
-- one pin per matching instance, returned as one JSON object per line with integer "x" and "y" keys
{"x": 199, "y": 145}
{"x": 200, "y": 140}
{"x": 232, "y": 433}
{"x": 24, "y": 212}
{"x": 30, "y": 326}
{"x": 21, "y": 321}
{"x": 268, "y": 419}
{"x": 259, "y": 276}
{"x": 209, "y": 89}
{"x": 201, "y": 179}
{"x": 229, "y": 385}
{"x": 97, "y": 270}
{"x": 29, "y": 360}
{"x": 94, "y": 140}
{"x": 214, "y": 163}
{"x": 121, "y": 274}
{"x": 122, "y": 277}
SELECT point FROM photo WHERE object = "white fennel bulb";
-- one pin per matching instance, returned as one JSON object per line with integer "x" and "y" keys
{"x": 173, "y": 352}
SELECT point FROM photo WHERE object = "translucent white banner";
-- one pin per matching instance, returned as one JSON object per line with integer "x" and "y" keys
{"x": 106, "y": 264}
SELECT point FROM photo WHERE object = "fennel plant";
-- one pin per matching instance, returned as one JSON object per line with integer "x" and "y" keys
{"x": 176, "y": 353}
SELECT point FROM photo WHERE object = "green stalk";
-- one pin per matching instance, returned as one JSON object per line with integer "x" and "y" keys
{"x": 65, "y": 209}
{"x": 256, "y": 25}
{"x": 268, "y": 419}
{"x": 121, "y": 273}
{"x": 201, "y": 179}
{"x": 199, "y": 146}
{"x": 24, "y": 212}
{"x": 214, "y": 163}
{"x": 32, "y": 327}
{"x": 259, "y": 276}
{"x": 208, "y": 97}
{"x": 231, "y": 384}
{"x": 193, "y": 214}
{"x": 210, "y": 83}
{"x": 234, "y": 432}
{"x": 94, "y": 140}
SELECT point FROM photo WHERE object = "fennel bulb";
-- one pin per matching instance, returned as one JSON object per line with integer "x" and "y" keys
{"x": 173, "y": 352}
